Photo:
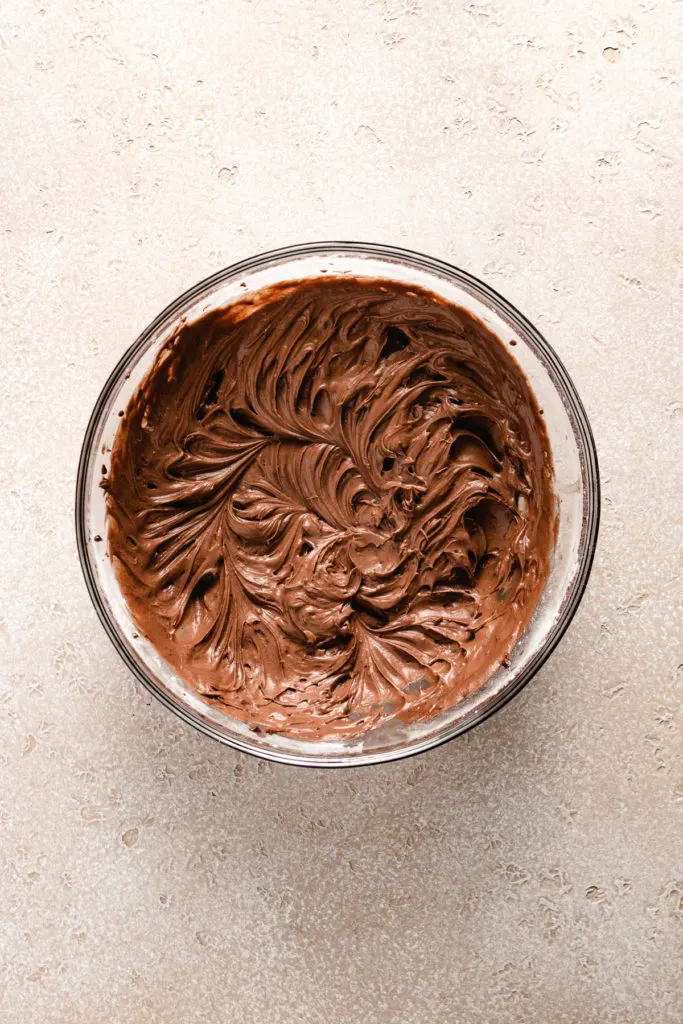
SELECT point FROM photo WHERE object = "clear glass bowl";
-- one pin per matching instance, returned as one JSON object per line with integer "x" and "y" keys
{"x": 577, "y": 487}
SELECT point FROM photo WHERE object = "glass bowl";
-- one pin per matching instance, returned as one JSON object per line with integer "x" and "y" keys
{"x": 576, "y": 484}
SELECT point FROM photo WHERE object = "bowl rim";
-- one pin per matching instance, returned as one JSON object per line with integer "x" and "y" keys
{"x": 589, "y": 471}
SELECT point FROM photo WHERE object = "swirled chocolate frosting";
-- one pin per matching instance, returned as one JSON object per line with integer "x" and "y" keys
{"x": 331, "y": 505}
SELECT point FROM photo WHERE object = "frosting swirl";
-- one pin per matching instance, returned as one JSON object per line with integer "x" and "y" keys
{"x": 330, "y": 505}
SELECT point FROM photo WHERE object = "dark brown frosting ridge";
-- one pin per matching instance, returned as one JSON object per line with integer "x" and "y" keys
{"x": 331, "y": 505}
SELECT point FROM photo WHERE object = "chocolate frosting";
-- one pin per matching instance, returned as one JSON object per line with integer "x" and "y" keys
{"x": 331, "y": 505}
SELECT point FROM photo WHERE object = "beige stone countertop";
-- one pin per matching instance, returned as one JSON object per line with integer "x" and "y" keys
{"x": 530, "y": 871}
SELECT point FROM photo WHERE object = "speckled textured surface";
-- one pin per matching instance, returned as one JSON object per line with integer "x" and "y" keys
{"x": 531, "y": 871}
